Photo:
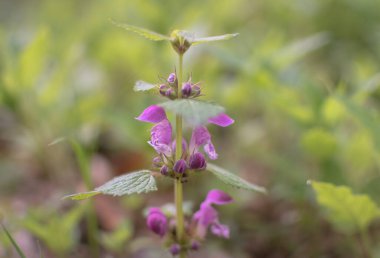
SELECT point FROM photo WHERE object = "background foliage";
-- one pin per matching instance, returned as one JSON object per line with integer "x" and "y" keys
{"x": 301, "y": 80}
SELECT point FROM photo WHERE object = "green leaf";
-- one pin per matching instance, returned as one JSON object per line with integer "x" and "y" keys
{"x": 151, "y": 35}
{"x": 15, "y": 245}
{"x": 195, "y": 112}
{"x": 135, "y": 182}
{"x": 82, "y": 196}
{"x": 347, "y": 211}
{"x": 143, "y": 86}
{"x": 214, "y": 38}
{"x": 364, "y": 116}
{"x": 233, "y": 180}
{"x": 117, "y": 239}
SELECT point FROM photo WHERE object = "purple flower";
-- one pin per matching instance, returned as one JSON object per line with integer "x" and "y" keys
{"x": 197, "y": 161}
{"x": 180, "y": 166}
{"x": 222, "y": 120}
{"x": 171, "y": 78}
{"x": 207, "y": 216}
{"x": 202, "y": 137}
{"x": 217, "y": 197}
{"x": 152, "y": 114}
{"x": 161, "y": 135}
{"x": 157, "y": 221}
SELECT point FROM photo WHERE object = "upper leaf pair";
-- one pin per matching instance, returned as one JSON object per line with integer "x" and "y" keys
{"x": 181, "y": 40}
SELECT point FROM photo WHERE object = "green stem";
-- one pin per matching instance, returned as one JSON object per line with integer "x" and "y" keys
{"x": 178, "y": 188}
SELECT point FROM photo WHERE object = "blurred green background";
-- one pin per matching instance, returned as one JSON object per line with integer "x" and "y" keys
{"x": 301, "y": 80}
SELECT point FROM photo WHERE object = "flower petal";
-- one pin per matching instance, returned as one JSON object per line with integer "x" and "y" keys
{"x": 222, "y": 120}
{"x": 200, "y": 136}
{"x": 206, "y": 215}
{"x": 152, "y": 114}
{"x": 210, "y": 151}
{"x": 161, "y": 133}
{"x": 218, "y": 197}
{"x": 220, "y": 230}
{"x": 161, "y": 148}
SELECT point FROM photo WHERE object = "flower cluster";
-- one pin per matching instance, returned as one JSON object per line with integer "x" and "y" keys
{"x": 206, "y": 218}
{"x": 192, "y": 158}
{"x": 188, "y": 89}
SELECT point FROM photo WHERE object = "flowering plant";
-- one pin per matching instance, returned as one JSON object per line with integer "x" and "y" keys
{"x": 177, "y": 158}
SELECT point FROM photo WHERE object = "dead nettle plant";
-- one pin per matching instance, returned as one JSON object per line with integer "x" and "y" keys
{"x": 179, "y": 159}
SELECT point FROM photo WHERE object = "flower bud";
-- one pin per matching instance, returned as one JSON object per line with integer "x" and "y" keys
{"x": 157, "y": 161}
{"x": 180, "y": 166}
{"x": 157, "y": 221}
{"x": 164, "y": 170}
{"x": 186, "y": 89}
{"x": 197, "y": 161}
{"x": 195, "y": 245}
{"x": 195, "y": 91}
{"x": 175, "y": 249}
{"x": 163, "y": 88}
{"x": 170, "y": 93}
{"x": 172, "y": 78}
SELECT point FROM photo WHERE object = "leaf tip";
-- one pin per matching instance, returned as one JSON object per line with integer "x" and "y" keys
{"x": 81, "y": 196}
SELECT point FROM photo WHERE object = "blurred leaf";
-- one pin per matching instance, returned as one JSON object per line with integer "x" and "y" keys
{"x": 213, "y": 38}
{"x": 333, "y": 111}
{"x": 233, "y": 180}
{"x": 135, "y": 182}
{"x": 291, "y": 53}
{"x": 117, "y": 239}
{"x": 319, "y": 143}
{"x": 143, "y": 86}
{"x": 45, "y": 226}
{"x": 347, "y": 211}
{"x": 15, "y": 245}
{"x": 195, "y": 112}
{"x": 367, "y": 118}
{"x": 148, "y": 34}
{"x": 33, "y": 59}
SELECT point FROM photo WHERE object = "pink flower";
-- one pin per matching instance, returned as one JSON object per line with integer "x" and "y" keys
{"x": 207, "y": 216}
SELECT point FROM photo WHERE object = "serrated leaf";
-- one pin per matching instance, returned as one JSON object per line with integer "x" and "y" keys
{"x": 233, "y": 180}
{"x": 213, "y": 38}
{"x": 135, "y": 182}
{"x": 143, "y": 86}
{"x": 347, "y": 211}
{"x": 195, "y": 112}
{"x": 148, "y": 34}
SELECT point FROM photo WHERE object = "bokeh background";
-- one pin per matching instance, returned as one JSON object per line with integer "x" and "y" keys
{"x": 301, "y": 80}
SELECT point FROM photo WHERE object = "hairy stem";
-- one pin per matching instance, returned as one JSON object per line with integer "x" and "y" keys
{"x": 178, "y": 189}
